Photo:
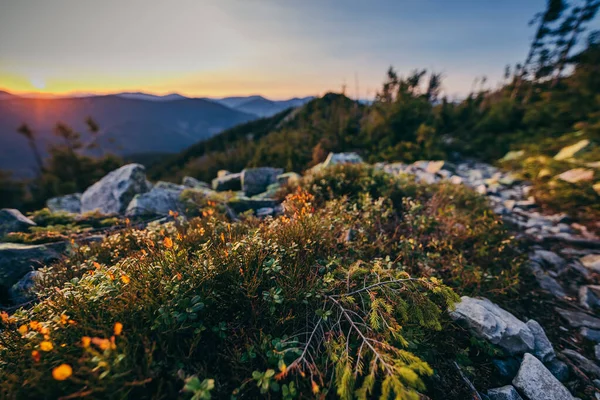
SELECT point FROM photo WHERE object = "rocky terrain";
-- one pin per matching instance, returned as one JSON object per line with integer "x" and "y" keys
{"x": 550, "y": 341}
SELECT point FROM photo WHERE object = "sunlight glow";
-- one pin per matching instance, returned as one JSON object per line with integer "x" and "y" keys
{"x": 37, "y": 82}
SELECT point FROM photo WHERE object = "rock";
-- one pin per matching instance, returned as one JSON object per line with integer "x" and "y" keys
{"x": 589, "y": 296}
{"x": 525, "y": 204}
{"x": 256, "y": 180}
{"x": 11, "y": 220}
{"x": 342, "y": 158}
{"x": 69, "y": 203}
{"x": 596, "y": 188}
{"x": 227, "y": 182}
{"x": 113, "y": 193}
{"x": 158, "y": 201}
{"x": 169, "y": 186}
{"x": 507, "y": 392}
{"x": 545, "y": 281}
{"x": 559, "y": 369}
{"x": 243, "y": 204}
{"x": 481, "y": 189}
{"x": 537, "y": 383}
{"x": 456, "y": 180}
{"x": 23, "y": 290}
{"x": 576, "y": 175}
{"x": 591, "y": 261}
{"x": 190, "y": 182}
{"x": 597, "y": 351}
{"x": 513, "y": 155}
{"x": 265, "y": 212}
{"x": 17, "y": 259}
{"x": 509, "y": 204}
{"x": 543, "y": 349}
{"x": 435, "y": 167}
{"x": 570, "y": 151}
{"x": 507, "y": 367}
{"x": 288, "y": 177}
{"x": 549, "y": 259}
{"x": 590, "y": 334}
{"x": 583, "y": 363}
{"x": 488, "y": 321}
{"x": 578, "y": 319}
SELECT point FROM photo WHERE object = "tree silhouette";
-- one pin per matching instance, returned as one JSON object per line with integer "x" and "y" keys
{"x": 30, "y": 136}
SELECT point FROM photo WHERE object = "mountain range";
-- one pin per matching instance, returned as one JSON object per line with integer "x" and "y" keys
{"x": 130, "y": 123}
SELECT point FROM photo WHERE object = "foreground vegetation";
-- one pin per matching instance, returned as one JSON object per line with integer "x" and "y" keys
{"x": 343, "y": 295}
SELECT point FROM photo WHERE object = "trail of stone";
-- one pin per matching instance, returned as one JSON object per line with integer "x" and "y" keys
{"x": 564, "y": 259}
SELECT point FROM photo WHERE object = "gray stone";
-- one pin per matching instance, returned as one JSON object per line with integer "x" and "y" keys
{"x": 597, "y": 351}
{"x": 158, "y": 201}
{"x": 488, "y": 321}
{"x": 548, "y": 259}
{"x": 590, "y": 334}
{"x": 264, "y": 212}
{"x": 589, "y": 296}
{"x": 559, "y": 369}
{"x": 16, "y": 260}
{"x": 256, "y": 180}
{"x": 169, "y": 186}
{"x": 342, "y": 158}
{"x": 70, "y": 203}
{"x": 507, "y": 392}
{"x": 543, "y": 349}
{"x": 24, "y": 289}
{"x": 227, "y": 182}
{"x": 578, "y": 319}
{"x": 537, "y": 383}
{"x": 11, "y": 220}
{"x": 191, "y": 182}
{"x": 113, "y": 193}
{"x": 583, "y": 363}
{"x": 545, "y": 281}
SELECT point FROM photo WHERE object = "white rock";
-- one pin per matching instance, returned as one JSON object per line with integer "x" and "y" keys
{"x": 507, "y": 392}
{"x": 488, "y": 321}
{"x": 11, "y": 220}
{"x": 537, "y": 383}
{"x": 112, "y": 194}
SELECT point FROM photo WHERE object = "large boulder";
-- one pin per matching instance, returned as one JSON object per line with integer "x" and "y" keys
{"x": 70, "y": 203}
{"x": 488, "y": 321}
{"x": 11, "y": 220}
{"x": 256, "y": 180}
{"x": 227, "y": 182}
{"x": 16, "y": 260}
{"x": 535, "y": 382}
{"x": 158, "y": 201}
{"x": 113, "y": 193}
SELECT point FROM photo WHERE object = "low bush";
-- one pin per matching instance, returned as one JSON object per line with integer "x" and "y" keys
{"x": 335, "y": 298}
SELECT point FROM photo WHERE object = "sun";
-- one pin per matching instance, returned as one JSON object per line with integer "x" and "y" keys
{"x": 37, "y": 82}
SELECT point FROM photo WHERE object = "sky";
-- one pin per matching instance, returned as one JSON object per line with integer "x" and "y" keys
{"x": 277, "y": 48}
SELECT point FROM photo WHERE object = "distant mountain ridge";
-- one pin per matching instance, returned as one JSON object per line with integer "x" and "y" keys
{"x": 130, "y": 122}
{"x": 127, "y": 125}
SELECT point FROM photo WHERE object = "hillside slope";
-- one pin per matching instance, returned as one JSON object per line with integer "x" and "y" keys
{"x": 127, "y": 125}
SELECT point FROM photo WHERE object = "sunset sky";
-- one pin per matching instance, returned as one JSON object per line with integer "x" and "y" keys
{"x": 277, "y": 48}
